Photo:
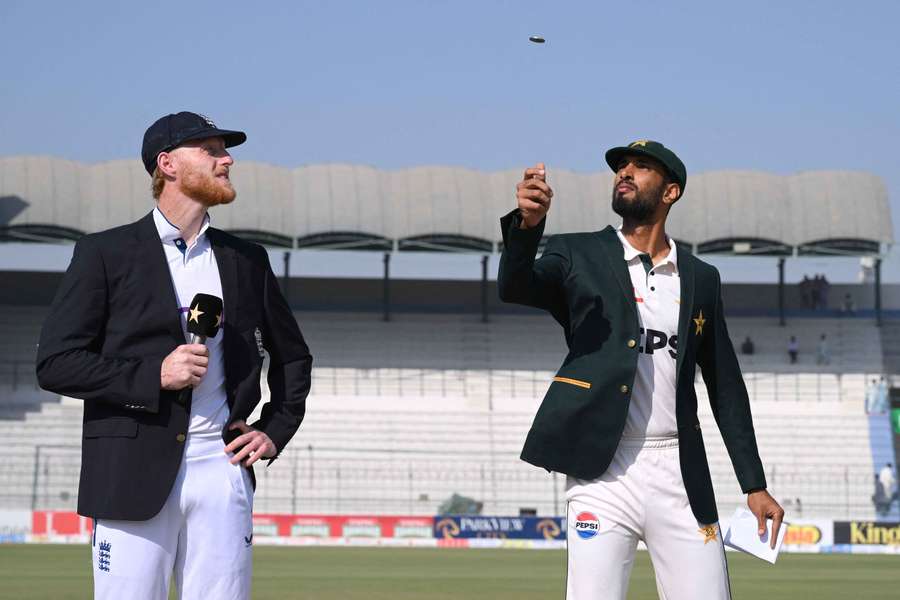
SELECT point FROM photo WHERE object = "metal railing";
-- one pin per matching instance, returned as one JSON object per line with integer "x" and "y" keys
{"x": 490, "y": 383}
{"x": 335, "y": 479}
{"x": 766, "y": 386}
{"x": 329, "y": 480}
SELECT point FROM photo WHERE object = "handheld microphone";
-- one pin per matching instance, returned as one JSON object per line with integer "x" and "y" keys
{"x": 204, "y": 318}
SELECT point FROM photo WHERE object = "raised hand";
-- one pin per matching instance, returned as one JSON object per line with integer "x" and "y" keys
{"x": 533, "y": 195}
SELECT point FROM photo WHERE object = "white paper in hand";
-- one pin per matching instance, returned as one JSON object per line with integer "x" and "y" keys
{"x": 742, "y": 535}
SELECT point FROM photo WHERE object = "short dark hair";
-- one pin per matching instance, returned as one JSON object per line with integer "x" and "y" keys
{"x": 669, "y": 178}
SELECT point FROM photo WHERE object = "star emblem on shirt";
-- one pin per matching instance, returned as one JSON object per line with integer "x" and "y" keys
{"x": 195, "y": 314}
{"x": 699, "y": 321}
{"x": 219, "y": 320}
{"x": 709, "y": 533}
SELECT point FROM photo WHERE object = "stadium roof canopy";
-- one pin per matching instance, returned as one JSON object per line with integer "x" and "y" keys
{"x": 452, "y": 209}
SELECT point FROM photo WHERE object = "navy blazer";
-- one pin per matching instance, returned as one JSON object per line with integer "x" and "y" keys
{"x": 116, "y": 317}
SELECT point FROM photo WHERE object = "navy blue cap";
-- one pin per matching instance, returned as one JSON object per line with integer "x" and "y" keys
{"x": 170, "y": 131}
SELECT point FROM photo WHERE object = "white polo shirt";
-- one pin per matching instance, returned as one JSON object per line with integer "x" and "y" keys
{"x": 657, "y": 294}
{"x": 194, "y": 270}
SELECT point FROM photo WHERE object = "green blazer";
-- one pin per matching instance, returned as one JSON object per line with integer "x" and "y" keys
{"x": 582, "y": 280}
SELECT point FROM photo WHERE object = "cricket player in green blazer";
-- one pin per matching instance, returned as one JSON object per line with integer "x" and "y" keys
{"x": 640, "y": 313}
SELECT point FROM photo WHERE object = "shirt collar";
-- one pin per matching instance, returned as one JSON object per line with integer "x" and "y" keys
{"x": 632, "y": 253}
{"x": 168, "y": 232}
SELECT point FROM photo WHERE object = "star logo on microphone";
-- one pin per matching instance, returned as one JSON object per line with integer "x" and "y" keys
{"x": 195, "y": 314}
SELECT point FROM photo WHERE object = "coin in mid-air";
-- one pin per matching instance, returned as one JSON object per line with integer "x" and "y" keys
{"x": 536, "y": 39}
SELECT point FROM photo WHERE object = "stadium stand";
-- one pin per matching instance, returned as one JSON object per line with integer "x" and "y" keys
{"x": 507, "y": 342}
{"x": 390, "y": 454}
{"x": 889, "y": 346}
{"x": 20, "y": 328}
{"x": 406, "y": 413}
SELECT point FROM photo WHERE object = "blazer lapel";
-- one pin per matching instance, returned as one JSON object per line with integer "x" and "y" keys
{"x": 615, "y": 258}
{"x": 686, "y": 276}
{"x": 227, "y": 263}
{"x": 160, "y": 288}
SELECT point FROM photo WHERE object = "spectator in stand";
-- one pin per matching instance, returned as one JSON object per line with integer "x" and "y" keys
{"x": 872, "y": 397}
{"x": 883, "y": 395}
{"x": 824, "y": 287}
{"x": 823, "y": 356}
{"x": 805, "y": 292}
{"x": 849, "y": 307}
{"x": 747, "y": 347}
{"x": 881, "y": 503}
{"x": 887, "y": 481}
{"x": 815, "y": 292}
{"x": 820, "y": 292}
{"x": 793, "y": 349}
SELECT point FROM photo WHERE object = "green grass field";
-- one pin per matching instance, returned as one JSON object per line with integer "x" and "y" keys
{"x": 60, "y": 572}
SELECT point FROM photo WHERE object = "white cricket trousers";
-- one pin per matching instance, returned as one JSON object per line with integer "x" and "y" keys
{"x": 204, "y": 532}
{"x": 641, "y": 497}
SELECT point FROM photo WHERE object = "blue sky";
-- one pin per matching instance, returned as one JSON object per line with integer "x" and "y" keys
{"x": 774, "y": 86}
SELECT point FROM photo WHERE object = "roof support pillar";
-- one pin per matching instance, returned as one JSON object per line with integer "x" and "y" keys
{"x": 878, "y": 292}
{"x": 484, "y": 288}
{"x": 285, "y": 286}
{"x": 386, "y": 302}
{"x": 781, "y": 291}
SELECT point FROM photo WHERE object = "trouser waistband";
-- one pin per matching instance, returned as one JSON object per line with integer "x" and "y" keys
{"x": 204, "y": 444}
{"x": 649, "y": 443}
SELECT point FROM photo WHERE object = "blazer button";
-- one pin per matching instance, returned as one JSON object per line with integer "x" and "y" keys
{"x": 180, "y": 438}
{"x": 624, "y": 389}
{"x": 632, "y": 343}
{"x": 697, "y": 426}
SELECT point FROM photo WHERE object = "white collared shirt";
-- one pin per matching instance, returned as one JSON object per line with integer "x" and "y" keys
{"x": 657, "y": 295}
{"x": 194, "y": 270}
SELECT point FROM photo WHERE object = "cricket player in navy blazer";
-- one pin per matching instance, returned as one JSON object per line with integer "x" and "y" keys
{"x": 167, "y": 452}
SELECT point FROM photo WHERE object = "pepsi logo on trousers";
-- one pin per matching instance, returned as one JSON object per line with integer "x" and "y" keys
{"x": 587, "y": 525}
